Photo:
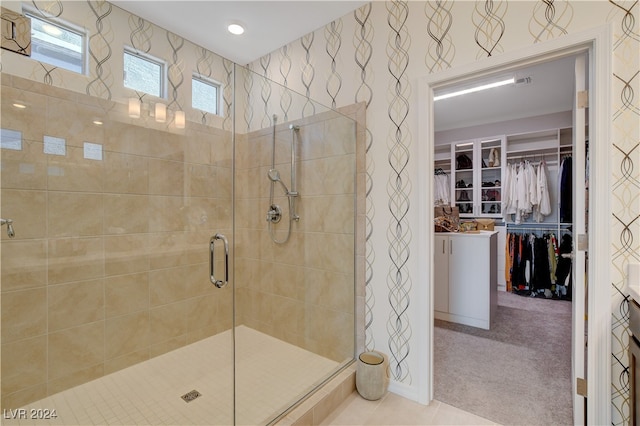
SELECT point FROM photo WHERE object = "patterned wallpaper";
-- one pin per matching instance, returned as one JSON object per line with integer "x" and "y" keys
{"x": 395, "y": 42}
{"x": 375, "y": 55}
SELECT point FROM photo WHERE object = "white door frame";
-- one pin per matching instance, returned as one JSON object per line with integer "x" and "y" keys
{"x": 597, "y": 42}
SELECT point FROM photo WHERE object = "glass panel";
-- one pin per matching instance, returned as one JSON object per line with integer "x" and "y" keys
{"x": 491, "y": 179}
{"x": 57, "y": 45}
{"x": 142, "y": 74}
{"x": 204, "y": 95}
{"x": 294, "y": 259}
{"x": 109, "y": 305}
{"x": 464, "y": 162}
{"x": 109, "y": 315}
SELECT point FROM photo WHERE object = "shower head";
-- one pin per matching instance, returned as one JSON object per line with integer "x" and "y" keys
{"x": 274, "y": 176}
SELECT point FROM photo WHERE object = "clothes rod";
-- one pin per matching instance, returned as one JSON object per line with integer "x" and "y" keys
{"x": 541, "y": 228}
{"x": 519, "y": 157}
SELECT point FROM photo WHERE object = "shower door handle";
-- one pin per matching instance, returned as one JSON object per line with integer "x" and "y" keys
{"x": 214, "y": 281}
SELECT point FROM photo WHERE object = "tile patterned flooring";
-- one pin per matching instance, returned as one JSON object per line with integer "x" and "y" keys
{"x": 271, "y": 374}
{"x": 395, "y": 410}
{"x": 149, "y": 393}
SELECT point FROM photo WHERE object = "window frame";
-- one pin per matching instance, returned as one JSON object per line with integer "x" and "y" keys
{"x": 33, "y": 13}
{"x": 211, "y": 82}
{"x": 152, "y": 59}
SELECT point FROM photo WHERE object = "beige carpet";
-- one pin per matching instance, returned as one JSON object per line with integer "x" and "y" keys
{"x": 517, "y": 373}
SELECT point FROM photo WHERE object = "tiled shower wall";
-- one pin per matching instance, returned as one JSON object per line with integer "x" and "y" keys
{"x": 303, "y": 291}
{"x": 109, "y": 265}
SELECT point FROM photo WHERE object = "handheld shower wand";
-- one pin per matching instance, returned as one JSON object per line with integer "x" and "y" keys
{"x": 9, "y": 222}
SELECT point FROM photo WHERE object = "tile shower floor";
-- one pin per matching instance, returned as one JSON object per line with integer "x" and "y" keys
{"x": 271, "y": 373}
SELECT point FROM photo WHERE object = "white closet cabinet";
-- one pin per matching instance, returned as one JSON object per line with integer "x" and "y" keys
{"x": 466, "y": 278}
{"x": 477, "y": 176}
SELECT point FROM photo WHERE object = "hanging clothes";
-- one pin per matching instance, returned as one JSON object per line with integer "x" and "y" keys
{"x": 543, "y": 207}
{"x": 441, "y": 188}
{"x": 534, "y": 268}
{"x": 563, "y": 270}
{"x": 525, "y": 192}
{"x": 566, "y": 190}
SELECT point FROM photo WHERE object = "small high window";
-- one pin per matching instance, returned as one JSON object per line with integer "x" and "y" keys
{"x": 144, "y": 73}
{"x": 58, "y": 43}
{"x": 204, "y": 95}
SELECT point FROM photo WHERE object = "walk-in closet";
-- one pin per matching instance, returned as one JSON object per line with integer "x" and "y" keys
{"x": 505, "y": 182}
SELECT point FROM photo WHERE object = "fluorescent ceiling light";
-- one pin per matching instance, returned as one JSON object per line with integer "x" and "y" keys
{"x": 235, "y": 28}
{"x": 476, "y": 89}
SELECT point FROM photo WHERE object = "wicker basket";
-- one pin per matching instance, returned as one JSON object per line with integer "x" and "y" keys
{"x": 485, "y": 224}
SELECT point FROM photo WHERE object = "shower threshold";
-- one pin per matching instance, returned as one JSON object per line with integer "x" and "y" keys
{"x": 270, "y": 374}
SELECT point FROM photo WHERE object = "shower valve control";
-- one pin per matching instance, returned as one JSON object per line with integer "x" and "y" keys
{"x": 274, "y": 214}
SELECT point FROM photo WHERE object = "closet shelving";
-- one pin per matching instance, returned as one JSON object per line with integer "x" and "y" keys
{"x": 550, "y": 146}
{"x": 476, "y": 177}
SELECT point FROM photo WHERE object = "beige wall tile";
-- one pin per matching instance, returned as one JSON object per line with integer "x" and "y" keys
{"x": 14, "y": 118}
{"x": 24, "y": 169}
{"x": 125, "y": 294}
{"x": 201, "y": 312}
{"x": 75, "y": 349}
{"x": 197, "y": 282}
{"x": 73, "y": 172}
{"x": 167, "y": 346}
{"x": 289, "y": 281}
{"x": 76, "y": 378}
{"x": 126, "y": 214}
{"x": 126, "y": 334}
{"x": 27, "y": 209}
{"x": 75, "y": 259}
{"x": 24, "y": 364}
{"x": 288, "y": 315}
{"x": 167, "y": 285}
{"x": 329, "y": 289}
{"x": 126, "y": 173}
{"x": 24, "y": 264}
{"x": 24, "y": 314}
{"x": 127, "y": 360}
{"x": 72, "y": 214}
{"x": 197, "y": 149}
{"x": 168, "y": 322}
{"x": 164, "y": 145}
{"x": 343, "y": 136}
{"x": 169, "y": 214}
{"x": 202, "y": 180}
{"x": 166, "y": 177}
{"x": 125, "y": 138}
{"x": 23, "y": 397}
{"x": 167, "y": 249}
{"x": 126, "y": 254}
{"x": 334, "y": 252}
{"x": 74, "y": 121}
{"x": 75, "y": 304}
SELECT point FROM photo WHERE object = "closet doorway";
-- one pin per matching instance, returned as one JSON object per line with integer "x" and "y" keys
{"x": 579, "y": 300}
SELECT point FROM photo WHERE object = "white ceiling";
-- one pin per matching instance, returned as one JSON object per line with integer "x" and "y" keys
{"x": 269, "y": 24}
{"x": 550, "y": 91}
{"x": 273, "y": 24}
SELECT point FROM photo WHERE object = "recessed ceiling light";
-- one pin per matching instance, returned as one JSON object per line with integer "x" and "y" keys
{"x": 235, "y": 28}
{"x": 19, "y": 105}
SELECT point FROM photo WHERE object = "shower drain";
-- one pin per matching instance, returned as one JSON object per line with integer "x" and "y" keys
{"x": 190, "y": 396}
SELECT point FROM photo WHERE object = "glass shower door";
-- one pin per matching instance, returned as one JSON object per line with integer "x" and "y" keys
{"x": 294, "y": 242}
{"x": 108, "y": 312}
